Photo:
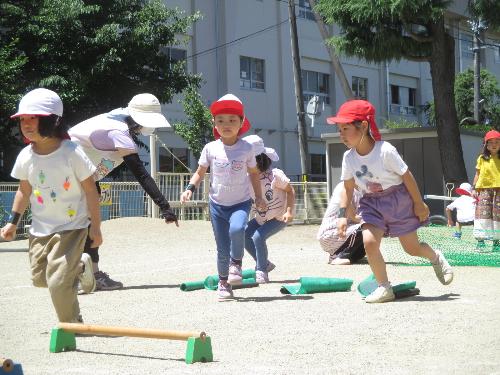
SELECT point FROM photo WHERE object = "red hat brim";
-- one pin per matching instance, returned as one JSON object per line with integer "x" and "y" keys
{"x": 462, "y": 192}
{"x": 244, "y": 128}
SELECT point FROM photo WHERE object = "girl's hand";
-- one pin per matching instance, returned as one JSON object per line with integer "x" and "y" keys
{"x": 260, "y": 204}
{"x": 95, "y": 235}
{"x": 421, "y": 211}
{"x": 341, "y": 226}
{"x": 8, "y": 232}
{"x": 475, "y": 194}
{"x": 287, "y": 217}
{"x": 450, "y": 223}
{"x": 186, "y": 196}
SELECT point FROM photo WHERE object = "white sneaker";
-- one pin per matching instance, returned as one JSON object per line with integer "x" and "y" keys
{"x": 86, "y": 278}
{"x": 381, "y": 294}
{"x": 442, "y": 268}
{"x": 261, "y": 277}
{"x": 224, "y": 291}
{"x": 235, "y": 274}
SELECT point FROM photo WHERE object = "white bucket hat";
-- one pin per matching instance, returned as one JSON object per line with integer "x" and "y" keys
{"x": 145, "y": 109}
{"x": 258, "y": 147}
{"x": 40, "y": 102}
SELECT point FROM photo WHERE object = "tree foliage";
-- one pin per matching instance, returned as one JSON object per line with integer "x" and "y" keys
{"x": 198, "y": 131}
{"x": 387, "y": 30}
{"x": 490, "y": 92}
{"x": 95, "y": 54}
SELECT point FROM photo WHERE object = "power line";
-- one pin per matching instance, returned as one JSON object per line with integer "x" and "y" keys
{"x": 237, "y": 40}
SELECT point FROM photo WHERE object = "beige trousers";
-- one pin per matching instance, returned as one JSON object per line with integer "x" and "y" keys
{"x": 55, "y": 263}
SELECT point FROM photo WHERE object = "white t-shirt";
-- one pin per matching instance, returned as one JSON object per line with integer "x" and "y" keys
{"x": 228, "y": 171}
{"x": 101, "y": 136}
{"x": 57, "y": 200}
{"x": 376, "y": 171}
{"x": 466, "y": 208}
{"x": 273, "y": 184}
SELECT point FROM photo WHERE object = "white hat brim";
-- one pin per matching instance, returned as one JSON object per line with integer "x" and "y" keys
{"x": 149, "y": 119}
{"x": 271, "y": 154}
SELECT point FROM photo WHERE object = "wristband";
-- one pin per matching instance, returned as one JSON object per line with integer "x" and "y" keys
{"x": 342, "y": 212}
{"x": 191, "y": 187}
{"x": 14, "y": 218}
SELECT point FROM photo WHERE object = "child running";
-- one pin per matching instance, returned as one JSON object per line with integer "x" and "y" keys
{"x": 391, "y": 203}
{"x": 280, "y": 199}
{"x": 56, "y": 179}
{"x": 229, "y": 159}
{"x": 487, "y": 190}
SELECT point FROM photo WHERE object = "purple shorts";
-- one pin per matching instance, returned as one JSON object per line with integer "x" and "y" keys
{"x": 390, "y": 210}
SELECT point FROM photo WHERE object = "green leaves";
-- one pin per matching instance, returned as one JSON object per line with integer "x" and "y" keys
{"x": 198, "y": 131}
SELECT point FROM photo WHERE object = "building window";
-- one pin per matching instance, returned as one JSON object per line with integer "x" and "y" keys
{"x": 466, "y": 45}
{"x": 252, "y": 73}
{"x": 403, "y": 100}
{"x": 175, "y": 55}
{"x": 315, "y": 83}
{"x": 394, "y": 94}
{"x": 318, "y": 164}
{"x": 360, "y": 87}
{"x": 169, "y": 164}
{"x": 305, "y": 10}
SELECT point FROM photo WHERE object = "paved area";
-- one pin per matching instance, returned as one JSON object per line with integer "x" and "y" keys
{"x": 445, "y": 330}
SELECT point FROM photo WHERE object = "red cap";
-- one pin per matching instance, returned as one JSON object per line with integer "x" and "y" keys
{"x": 357, "y": 110}
{"x": 491, "y": 135}
{"x": 231, "y": 105}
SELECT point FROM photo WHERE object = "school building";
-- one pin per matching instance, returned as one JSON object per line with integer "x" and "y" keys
{"x": 243, "y": 47}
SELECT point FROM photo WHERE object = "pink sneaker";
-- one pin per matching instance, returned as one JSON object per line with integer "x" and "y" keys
{"x": 235, "y": 277}
{"x": 261, "y": 277}
{"x": 224, "y": 291}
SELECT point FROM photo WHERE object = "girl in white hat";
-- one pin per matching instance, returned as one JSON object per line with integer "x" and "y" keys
{"x": 56, "y": 179}
{"x": 280, "y": 199}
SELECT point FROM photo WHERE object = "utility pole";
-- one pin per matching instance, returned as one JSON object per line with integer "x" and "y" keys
{"x": 478, "y": 26}
{"x": 299, "y": 99}
{"x": 337, "y": 66}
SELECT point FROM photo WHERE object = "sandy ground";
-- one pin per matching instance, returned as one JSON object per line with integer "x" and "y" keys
{"x": 445, "y": 330}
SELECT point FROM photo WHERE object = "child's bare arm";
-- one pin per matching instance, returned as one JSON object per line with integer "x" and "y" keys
{"x": 254, "y": 180}
{"x": 21, "y": 201}
{"x": 474, "y": 182}
{"x": 345, "y": 202}
{"x": 195, "y": 180}
{"x": 419, "y": 207}
{"x": 88, "y": 186}
{"x": 290, "y": 203}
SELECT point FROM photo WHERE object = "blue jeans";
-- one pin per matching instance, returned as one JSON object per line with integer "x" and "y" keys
{"x": 228, "y": 223}
{"x": 255, "y": 239}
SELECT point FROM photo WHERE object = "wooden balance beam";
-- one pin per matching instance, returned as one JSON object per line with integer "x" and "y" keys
{"x": 199, "y": 348}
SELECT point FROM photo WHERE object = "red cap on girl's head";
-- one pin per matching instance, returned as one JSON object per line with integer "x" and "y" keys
{"x": 231, "y": 105}
{"x": 491, "y": 135}
{"x": 357, "y": 110}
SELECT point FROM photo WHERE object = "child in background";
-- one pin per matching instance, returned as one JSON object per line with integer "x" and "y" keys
{"x": 465, "y": 206}
{"x": 56, "y": 179}
{"x": 280, "y": 199}
{"x": 343, "y": 251}
{"x": 229, "y": 159}
{"x": 487, "y": 191}
{"x": 391, "y": 203}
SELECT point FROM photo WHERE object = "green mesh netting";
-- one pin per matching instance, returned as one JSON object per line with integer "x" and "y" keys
{"x": 458, "y": 252}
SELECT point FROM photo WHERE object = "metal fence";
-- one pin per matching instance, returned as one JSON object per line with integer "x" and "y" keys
{"x": 126, "y": 199}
